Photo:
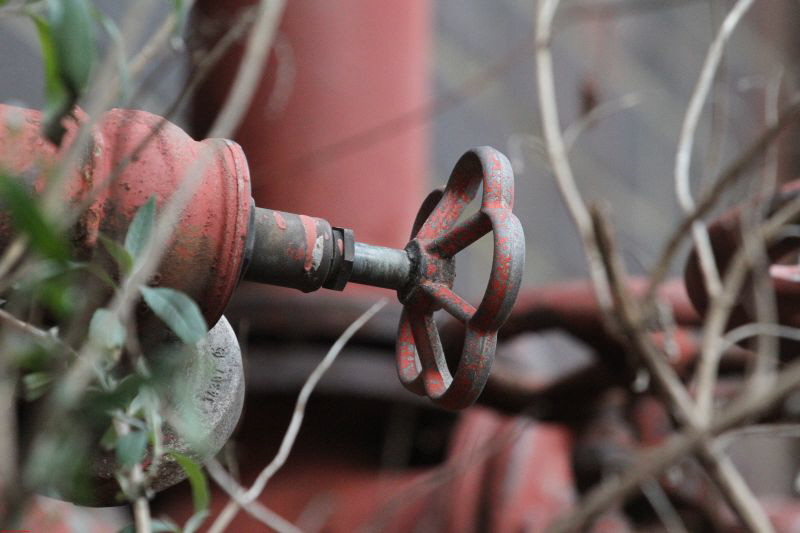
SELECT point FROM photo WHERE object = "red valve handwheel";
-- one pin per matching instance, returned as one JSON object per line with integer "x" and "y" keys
{"x": 438, "y": 235}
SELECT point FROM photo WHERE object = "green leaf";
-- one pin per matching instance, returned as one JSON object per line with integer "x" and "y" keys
{"x": 131, "y": 447}
{"x": 109, "y": 439}
{"x": 197, "y": 480}
{"x": 98, "y": 403}
{"x": 66, "y": 37}
{"x": 72, "y": 32}
{"x": 98, "y": 272}
{"x": 178, "y": 311}
{"x": 58, "y": 101}
{"x": 106, "y": 332}
{"x": 120, "y": 255}
{"x": 140, "y": 229}
{"x": 36, "y": 384}
{"x": 181, "y": 11}
{"x": 29, "y": 219}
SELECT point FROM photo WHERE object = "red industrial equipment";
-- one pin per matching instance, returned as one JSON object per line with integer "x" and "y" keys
{"x": 727, "y": 238}
{"x": 222, "y": 237}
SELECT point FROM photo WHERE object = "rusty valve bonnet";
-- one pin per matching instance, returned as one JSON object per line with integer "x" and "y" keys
{"x": 307, "y": 254}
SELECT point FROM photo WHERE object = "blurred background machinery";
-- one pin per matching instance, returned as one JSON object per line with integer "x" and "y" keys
{"x": 381, "y": 98}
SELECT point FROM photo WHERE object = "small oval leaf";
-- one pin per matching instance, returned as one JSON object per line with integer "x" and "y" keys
{"x": 106, "y": 331}
{"x": 120, "y": 255}
{"x": 178, "y": 311}
{"x": 140, "y": 229}
{"x": 197, "y": 480}
{"x": 28, "y": 218}
{"x": 131, "y": 447}
{"x": 72, "y": 30}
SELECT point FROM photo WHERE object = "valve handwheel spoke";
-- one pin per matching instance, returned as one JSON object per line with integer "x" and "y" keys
{"x": 451, "y": 302}
{"x": 461, "y": 235}
{"x": 438, "y": 236}
{"x": 436, "y": 376}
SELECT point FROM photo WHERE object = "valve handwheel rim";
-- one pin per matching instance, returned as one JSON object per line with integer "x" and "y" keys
{"x": 439, "y": 234}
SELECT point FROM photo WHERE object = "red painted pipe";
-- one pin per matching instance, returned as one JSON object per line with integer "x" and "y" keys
{"x": 321, "y": 134}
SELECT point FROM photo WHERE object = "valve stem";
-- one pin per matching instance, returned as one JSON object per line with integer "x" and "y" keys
{"x": 307, "y": 253}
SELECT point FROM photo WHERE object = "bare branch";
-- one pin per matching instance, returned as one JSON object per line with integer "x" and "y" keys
{"x": 255, "y": 508}
{"x": 557, "y": 150}
{"x": 230, "y": 510}
{"x": 743, "y": 502}
{"x": 720, "y": 307}
{"x": 653, "y": 461}
{"x": 596, "y": 114}
{"x": 683, "y": 157}
{"x": 710, "y": 197}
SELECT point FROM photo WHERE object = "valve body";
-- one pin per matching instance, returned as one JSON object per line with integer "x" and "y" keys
{"x": 132, "y": 156}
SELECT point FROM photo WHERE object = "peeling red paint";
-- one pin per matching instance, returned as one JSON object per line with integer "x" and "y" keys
{"x": 279, "y": 221}
{"x": 310, "y": 227}
{"x": 205, "y": 254}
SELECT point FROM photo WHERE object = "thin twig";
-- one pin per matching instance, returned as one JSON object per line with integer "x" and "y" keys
{"x": 764, "y": 368}
{"x": 711, "y": 196}
{"x": 141, "y": 515}
{"x": 720, "y": 308}
{"x": 742, "y": 501}
{"x": 437, "y": 477}
{"x": 596, "y": 114}
{"x": 683, "y": 156}
{"x": 653, "y": 461}
{"x": 255, "y": 508}
{"x": 155, "y": 44}
{"x": 788, "y": 431}
{"x": 663, "y": 507}
{"x": 557, "y": 151}
{"x": 255, "y": 490}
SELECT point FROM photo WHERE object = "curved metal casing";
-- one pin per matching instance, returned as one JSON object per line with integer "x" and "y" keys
{"x": 204, "y": 406}
{"x": 132, "y": 156}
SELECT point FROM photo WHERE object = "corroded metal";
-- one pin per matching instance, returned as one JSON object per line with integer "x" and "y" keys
{"x": 305, "y": 253}
{"x": 726, "y": 233}
{"x": 133, "y": 156}
{"x": 290, "y": 250}
{"x": 221, "y": 236}
{"x": 420, "y": 358}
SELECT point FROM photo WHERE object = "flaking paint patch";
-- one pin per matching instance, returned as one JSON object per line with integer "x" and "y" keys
{"x": 310, "y": 230}
{"x": 279, "y": 221}
{"x": 319, "y": 247}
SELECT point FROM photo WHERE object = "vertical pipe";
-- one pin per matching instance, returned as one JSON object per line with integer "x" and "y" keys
{"x": 338, "y": 71}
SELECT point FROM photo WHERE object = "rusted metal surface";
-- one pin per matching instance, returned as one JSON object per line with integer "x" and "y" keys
{"x": 725, "y": 233}
{"x": 420, "y": 357}
{"x": 205, "y": 255}
{"x": 498, "y": 474}
{"x": 290, "y": 250}
{"x": 379, "y": 266}
{"x": 307, "y": 253}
